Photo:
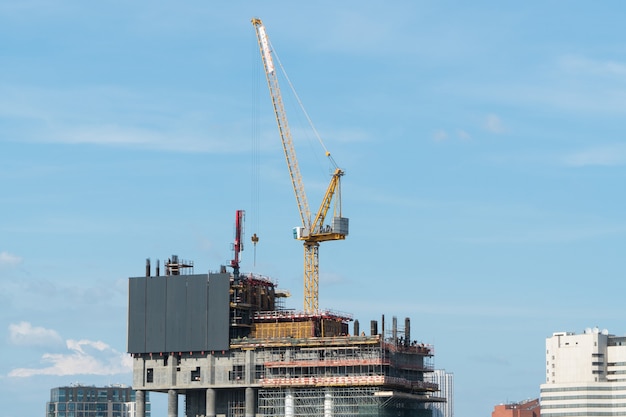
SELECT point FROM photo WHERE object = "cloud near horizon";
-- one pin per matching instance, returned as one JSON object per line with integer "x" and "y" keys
{"x": 83, "y": 357}
{"x": 25, "y": 334}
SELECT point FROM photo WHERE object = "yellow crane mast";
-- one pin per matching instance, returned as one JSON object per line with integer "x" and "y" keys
{"x": 312, "y": 232}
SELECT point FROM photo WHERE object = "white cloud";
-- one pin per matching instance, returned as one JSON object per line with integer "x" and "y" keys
{"x": 494, "y": 124}
{"x": 581, "y": 64}
{"x": 109, "y": 116}
{"x": 85, "y": 357}
{"x": 610, "y": 155}
{"x": 463, "y": 135}
{"x": 440, "y": 135}
{"x": 24, "y": 334}
{"x": 8, "y": 259}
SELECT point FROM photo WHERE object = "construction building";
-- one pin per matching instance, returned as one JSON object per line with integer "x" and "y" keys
{"x": 79, "y": 400}
{"x": 585, "y": 374}
{"x": 225, "y": 343}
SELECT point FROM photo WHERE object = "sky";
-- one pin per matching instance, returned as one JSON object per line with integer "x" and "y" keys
{"x": 483, "y": 145}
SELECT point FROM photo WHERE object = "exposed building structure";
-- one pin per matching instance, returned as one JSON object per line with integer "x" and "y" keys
{"x": 528, "y": 408}
{"x": 227, "y": 346}
{"x": 445, "y": 382}
{"x": 90, "y": 401}
{"x": 585, "y": 374}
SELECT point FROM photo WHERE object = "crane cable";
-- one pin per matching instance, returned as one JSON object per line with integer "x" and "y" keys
{"x": 255, "y": 165}
{"x": 317, "y": 135}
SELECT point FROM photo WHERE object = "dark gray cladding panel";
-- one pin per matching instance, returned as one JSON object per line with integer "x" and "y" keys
{"x": 218, "y": 312}
{"x": 137, "y": 315}
{"x": 181, "y": 313}
{"x": 197, "y": 308}
{"x": 175, "y": 314}
{"x": 156, "y": 297}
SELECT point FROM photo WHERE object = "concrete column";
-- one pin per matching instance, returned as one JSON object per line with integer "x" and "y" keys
{"x": 249, "y": 368}
{"x": 140, "y": 403}
{"x": 210, "y": 402}
{"x": 328, "y": 404}
{"x": 210, "y": 370}
{"x": 250, "y": 402}
{"x": 172, "y": 364}
{"x": 289, "y": 403}
{"x": 172, "y": 403}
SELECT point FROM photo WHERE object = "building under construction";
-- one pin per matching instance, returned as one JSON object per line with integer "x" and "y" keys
{"x": 225, "y": 342}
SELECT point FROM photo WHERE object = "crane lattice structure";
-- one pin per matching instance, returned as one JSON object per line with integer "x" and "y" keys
{"x": 313, "y": 231}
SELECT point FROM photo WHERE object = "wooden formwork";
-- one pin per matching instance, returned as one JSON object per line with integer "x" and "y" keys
{"x": 298, "y": 330}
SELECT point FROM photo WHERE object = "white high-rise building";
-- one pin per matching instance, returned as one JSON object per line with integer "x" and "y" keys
{"x": 445, "y": 381}
{"x": 585, "y": 375}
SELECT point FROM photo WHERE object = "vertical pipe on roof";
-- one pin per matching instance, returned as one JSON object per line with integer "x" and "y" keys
{"x": 407, "y": 331}
{"x": 373, "y": 328}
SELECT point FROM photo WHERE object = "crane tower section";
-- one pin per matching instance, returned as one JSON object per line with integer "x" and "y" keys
{"x": 314, "y": 229}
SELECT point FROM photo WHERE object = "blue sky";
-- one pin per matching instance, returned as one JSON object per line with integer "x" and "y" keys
{"x": 483, "y": 148}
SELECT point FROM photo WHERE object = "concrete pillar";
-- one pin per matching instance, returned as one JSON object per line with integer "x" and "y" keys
{"x": 250, "y": 402}
{"x": 210, "y": 370}
{"x": 210, "y": 402}
{"x": 172, "y": 403}
{"x": 249, "y": 368}
{"x": 172, "y": 364}
{"x": 289, "y": 403}
{"x": 140, "y": 403}
{"x": 328, "y": 404}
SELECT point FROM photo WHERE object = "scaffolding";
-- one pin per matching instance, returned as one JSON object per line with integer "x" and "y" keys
{"x": 337, "y": 402}
{"x": 281, "y": 362}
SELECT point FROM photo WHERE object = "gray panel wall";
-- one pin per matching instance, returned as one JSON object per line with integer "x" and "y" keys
{"x": 155, "y": 313}
{"x": 218, "y": 307}
{"x": 136, "y": 315}
{"x": 197, "y": 308}
{"x": 182, "y": 313}
{"x": 175, "y": 314}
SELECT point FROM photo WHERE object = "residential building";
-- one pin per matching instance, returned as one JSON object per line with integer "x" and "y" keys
{"x": 528, "y": 408}
{"x": 90, "y": 401}
{"x": 585, "y": 374}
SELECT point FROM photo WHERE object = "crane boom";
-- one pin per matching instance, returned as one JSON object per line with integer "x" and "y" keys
{"x": 311, "y": 232}
{"x": 283, "y": 126}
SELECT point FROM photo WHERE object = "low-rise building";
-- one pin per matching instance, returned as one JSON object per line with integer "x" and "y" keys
{"x": 90, "y": 401}
{"x": 527, "y": 408}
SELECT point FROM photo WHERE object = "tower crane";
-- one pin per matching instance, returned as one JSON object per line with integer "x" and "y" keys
{"x": 313, "y": 229}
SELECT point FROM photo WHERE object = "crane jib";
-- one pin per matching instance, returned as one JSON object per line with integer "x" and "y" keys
{"x": 265, "y": 46}
{"x": 311, "y": 232}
